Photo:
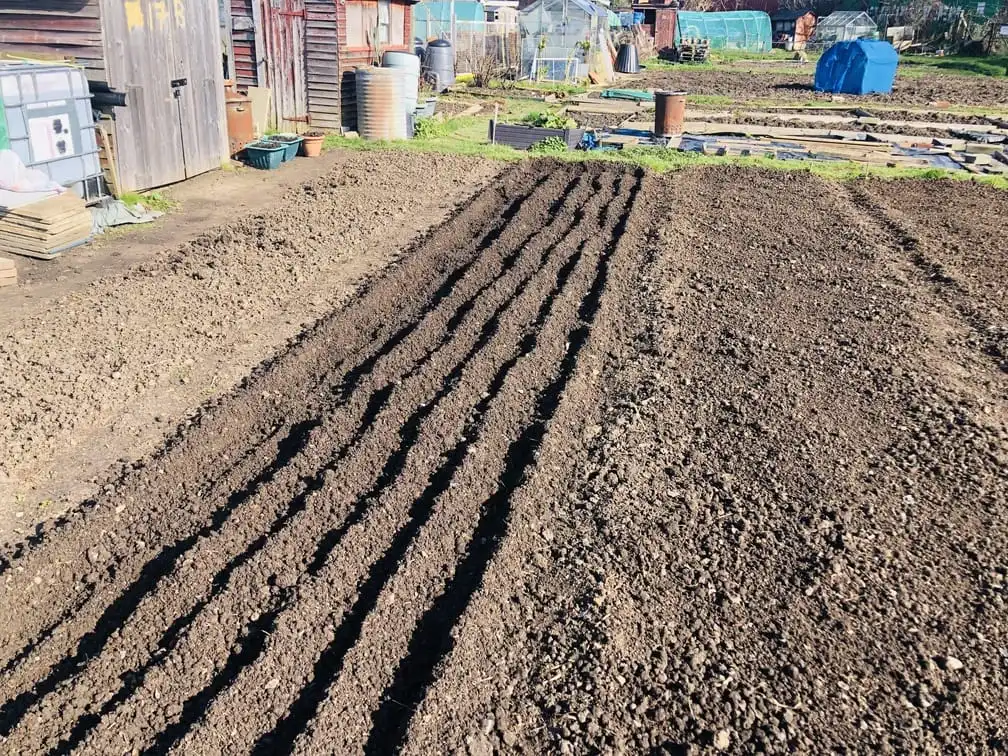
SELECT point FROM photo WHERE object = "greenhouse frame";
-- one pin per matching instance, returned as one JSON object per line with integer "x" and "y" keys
{"x": 557, "y": 37}
{"x": 845, "y": 26}
{"x": 732, "y": 30}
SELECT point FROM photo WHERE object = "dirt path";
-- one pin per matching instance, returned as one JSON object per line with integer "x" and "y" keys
{"x": 107, "y": 350}
{"x": 585, "y": 472}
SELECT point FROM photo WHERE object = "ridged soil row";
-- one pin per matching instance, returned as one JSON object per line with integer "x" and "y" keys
{"x": 240, "y": 442}
{"x": 136, "y": 650}
{"x": 467, "y": 675}
{"x": 293, "y": 665}
{"x": 387, "y": 671}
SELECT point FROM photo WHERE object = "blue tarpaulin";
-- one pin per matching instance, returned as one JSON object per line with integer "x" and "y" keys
{"x": 862, "y": 66}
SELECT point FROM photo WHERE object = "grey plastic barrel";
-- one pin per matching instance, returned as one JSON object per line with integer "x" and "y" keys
{"x": 381, "y": 103}
{"x": 410, "y": 65}
{"x": 439, "y": 64}
{"x": 50, "y": 124}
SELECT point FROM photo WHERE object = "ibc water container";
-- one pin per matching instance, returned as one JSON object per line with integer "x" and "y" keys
{"x": 50, "y": 123}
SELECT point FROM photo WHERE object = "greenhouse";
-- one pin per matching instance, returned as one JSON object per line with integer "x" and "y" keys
{"x": 844, "y": 26}
{"x": 737, "y": 30}
{"x": 559, "y": 38}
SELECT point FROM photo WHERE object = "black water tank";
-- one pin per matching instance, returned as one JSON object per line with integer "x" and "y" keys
{"x": 439, "y": 64}
{"x": 626, "y": 59}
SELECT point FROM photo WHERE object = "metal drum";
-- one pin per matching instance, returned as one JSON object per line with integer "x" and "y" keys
{"x": 439, "y": 64}
{"x": 670, "y": 112}
{"x": 381, "y": 103}
{"x": 410, "y": 65}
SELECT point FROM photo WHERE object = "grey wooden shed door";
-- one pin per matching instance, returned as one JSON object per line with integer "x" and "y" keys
{"x": 166, "y": 55}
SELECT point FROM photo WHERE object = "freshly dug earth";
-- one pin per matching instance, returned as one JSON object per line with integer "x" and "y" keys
{"x": 742, "y": 86}
{"x": 93, "y": 373}
{"x": 588, "y": 471}
{"x": 783, "y": 121}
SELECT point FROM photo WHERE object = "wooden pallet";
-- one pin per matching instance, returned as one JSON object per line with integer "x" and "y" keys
{"x": 45, "y": 229}
{"x": 694, "y": 50}
{"x": 8, "y": 273}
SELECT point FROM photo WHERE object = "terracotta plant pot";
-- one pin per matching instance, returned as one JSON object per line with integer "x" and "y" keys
{"x": 312, "y": 145}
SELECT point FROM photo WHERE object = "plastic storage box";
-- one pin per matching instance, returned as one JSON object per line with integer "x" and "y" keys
{"x": 266, "y": 155}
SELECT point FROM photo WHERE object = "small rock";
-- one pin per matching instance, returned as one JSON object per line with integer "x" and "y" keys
{"x": 488, "y": 725}
{"x": 722, "y": 739}
{"x": 952, "y": 664}
{"x": 272, "y": 684}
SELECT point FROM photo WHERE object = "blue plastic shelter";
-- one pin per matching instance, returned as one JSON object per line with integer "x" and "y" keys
{"x": 861, "y": 66}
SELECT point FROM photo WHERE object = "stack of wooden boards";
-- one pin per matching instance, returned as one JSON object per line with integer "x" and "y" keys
{"x": 46, "y": 228}
{"x": 8, "y": 273}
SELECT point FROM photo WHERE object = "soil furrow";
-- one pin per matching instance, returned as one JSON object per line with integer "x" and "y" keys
{"x": 521, "y": 244}
{"x": 116, "y": 613}
{"x": 992, "y": 338}
{"x": 372, "y": 527}
{"x": 476, "y": 507}
{"x": 272, "y": 408}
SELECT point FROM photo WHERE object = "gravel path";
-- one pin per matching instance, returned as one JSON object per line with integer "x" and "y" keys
{"x": 588, "y": 471}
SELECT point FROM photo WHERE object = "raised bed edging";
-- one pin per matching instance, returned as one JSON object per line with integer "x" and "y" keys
{"x": 523, "y": 137}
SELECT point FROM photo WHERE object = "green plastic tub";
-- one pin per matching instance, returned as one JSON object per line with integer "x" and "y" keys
{"x": 266, "y": 155}
{"x": 292, "y": 143}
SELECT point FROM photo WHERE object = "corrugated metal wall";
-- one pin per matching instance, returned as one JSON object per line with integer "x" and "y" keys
{"x": 68, "y": 28}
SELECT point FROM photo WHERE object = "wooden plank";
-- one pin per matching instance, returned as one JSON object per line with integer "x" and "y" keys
{"x": 259, "y": 60}
{"x": 31, "y": 232}
{"x": 61, "y": 29}
{"x": 49, "y": 255}
{"x": 48, "y": 243}
{"x": 47, "y": 208}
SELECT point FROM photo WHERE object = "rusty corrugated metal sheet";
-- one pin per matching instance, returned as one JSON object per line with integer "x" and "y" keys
{"x": 54, "y": 28}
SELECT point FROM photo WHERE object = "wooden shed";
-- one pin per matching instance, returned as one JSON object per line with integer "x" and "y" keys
{"x": 660, "y": 21}
{"x": 165, "y": 55}
{"x": 305, "y": 52}
{"x": 794, "y": 26}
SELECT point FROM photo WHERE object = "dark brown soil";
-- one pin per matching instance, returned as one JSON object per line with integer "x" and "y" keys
{"x": 587, "y": 471}
{"x": 600, "y": 120}
{"x": 744, "y": 86}
{"x": 878, "y": 128}
{"x": 105, "y": 349}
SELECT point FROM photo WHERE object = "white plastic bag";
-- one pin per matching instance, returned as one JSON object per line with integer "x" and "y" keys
{"x": 15, "y": 177}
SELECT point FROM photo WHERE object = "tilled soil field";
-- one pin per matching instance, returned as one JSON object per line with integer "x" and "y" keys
{"x": 588, "y": 471}
{"x": 742, "y": 85}
{"x": 97, "y": 371}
